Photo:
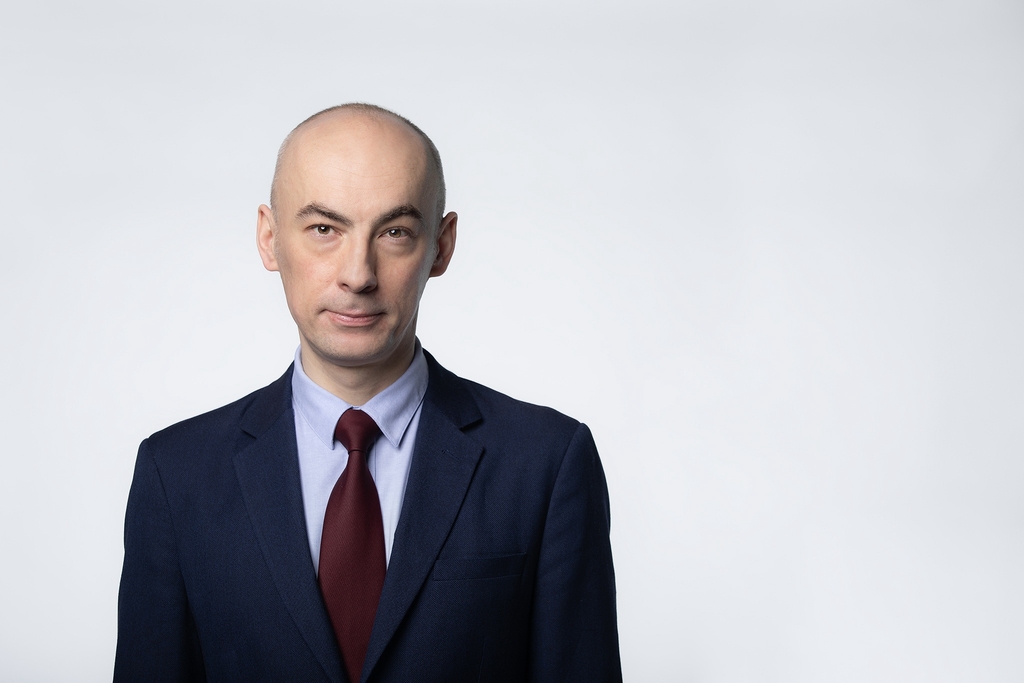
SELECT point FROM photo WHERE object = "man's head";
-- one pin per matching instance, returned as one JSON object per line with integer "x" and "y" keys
{"x": 355, "y": 231}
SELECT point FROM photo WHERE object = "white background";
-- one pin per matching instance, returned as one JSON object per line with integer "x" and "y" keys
{"x": 771, "y": 252}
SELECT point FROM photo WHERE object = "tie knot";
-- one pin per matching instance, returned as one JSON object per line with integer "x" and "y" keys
{"x": 356, "y": 431}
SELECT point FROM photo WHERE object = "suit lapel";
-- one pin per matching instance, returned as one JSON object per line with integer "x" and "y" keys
{"x": 268, "y": 473}
{"x": 444, "y": 460}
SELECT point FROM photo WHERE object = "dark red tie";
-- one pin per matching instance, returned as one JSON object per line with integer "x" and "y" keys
{"x": 352, "y": 561}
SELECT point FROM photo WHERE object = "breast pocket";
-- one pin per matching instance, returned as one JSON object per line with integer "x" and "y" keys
{"x": 460, "y": 568}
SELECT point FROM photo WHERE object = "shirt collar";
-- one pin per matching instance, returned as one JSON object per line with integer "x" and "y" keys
{"x": 392, "y": 409}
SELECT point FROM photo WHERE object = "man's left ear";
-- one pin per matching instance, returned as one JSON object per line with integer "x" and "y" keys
{"x": 445, "y": 244}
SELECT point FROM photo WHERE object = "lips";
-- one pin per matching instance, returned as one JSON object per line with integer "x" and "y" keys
{"x": 354, "y": 318}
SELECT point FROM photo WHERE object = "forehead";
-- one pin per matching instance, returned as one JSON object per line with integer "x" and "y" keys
{"x": 354, "y": 159}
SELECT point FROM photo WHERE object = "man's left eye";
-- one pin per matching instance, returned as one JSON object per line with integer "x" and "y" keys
{"x": 396, "y": 232}
{"x": 323, "y": 229}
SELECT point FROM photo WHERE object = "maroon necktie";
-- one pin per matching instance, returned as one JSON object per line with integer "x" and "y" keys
{"x": 352, "y": 561}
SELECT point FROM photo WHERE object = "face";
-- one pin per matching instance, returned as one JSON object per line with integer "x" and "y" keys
{"x": 354, "y": 237}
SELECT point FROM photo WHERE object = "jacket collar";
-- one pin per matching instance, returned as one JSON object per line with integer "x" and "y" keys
{"x": 267, "y": 468}
{"x": 443, "y": 463}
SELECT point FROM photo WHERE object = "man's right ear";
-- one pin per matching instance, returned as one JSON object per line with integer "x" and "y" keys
{"x": 266, "y": 231}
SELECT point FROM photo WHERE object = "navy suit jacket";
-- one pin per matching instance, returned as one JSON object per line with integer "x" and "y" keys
{"x": 501, "y": 568}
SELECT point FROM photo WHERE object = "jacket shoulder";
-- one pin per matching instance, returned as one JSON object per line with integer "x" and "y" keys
{"x": 480, "y": 408}
{"x": 495, "y": 403}
{"x": 251, "y": 414}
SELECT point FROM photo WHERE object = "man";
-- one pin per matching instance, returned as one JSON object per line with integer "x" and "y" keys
{"x": 369, "y": 516}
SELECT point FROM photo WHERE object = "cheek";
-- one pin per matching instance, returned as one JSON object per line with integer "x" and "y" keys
{"x": 295, "y": 255}
{"x": 405, "y": 282}
{"x": 304, "y": 282}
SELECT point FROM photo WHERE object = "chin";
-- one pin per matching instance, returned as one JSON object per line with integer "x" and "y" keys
{"x": 354, "y": 352}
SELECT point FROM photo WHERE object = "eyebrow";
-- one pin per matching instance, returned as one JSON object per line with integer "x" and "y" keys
{"x": 398, "y": 212}
{"x": 316, "y": 209}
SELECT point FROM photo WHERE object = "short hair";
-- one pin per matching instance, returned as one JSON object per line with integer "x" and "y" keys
{"x": 374, "y": 111}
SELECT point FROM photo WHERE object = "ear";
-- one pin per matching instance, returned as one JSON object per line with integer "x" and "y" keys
{"x": 266, "y": 232}
{"x": 445, "y": 244}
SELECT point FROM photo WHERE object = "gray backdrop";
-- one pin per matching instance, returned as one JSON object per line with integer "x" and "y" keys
{"x": 769, "y": 251}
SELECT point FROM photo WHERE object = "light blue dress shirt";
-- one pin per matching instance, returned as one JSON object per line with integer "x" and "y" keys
{"x": 396, "y": 410}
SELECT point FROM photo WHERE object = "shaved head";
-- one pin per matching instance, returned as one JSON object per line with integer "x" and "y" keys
{"x": 380, "y": 115}
{"x": 355, "y": 230}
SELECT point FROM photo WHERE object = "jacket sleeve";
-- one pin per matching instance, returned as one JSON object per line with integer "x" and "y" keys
{"x": 574, "y": 636}
{"x": 156, "y": 636}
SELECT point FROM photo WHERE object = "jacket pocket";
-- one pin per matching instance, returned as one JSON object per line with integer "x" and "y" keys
{"x": 460, "y": 568}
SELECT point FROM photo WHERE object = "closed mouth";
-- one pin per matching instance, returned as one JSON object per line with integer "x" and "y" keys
{"x": 354, "y": 318}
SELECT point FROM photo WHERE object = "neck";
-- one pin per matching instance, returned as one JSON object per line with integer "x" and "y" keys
{"x": 356, "y": 385}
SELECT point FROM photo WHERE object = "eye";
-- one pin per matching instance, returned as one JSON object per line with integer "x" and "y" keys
{"x": 397, "y": 232}
{"x": 323, "y": 230}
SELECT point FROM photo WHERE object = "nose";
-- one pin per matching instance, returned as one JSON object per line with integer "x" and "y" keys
{"x": 357, "y": 270}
